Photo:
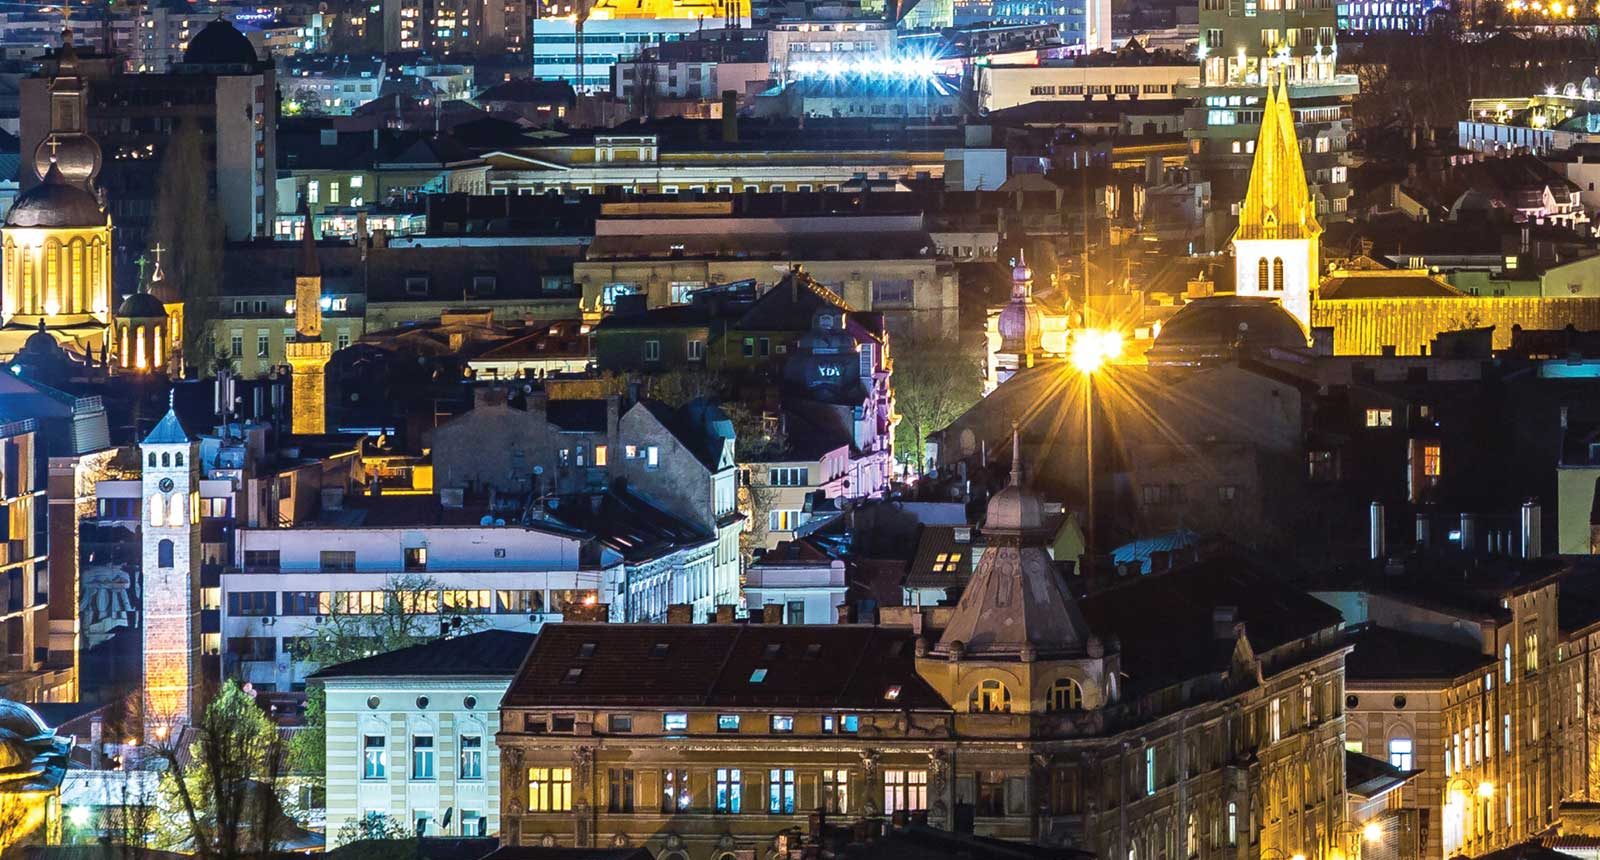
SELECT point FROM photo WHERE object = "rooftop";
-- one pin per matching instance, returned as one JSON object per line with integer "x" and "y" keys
{"x": 491, "y": 653}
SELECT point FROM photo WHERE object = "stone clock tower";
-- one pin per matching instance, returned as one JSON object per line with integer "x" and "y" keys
{"x": 171, "y": 578}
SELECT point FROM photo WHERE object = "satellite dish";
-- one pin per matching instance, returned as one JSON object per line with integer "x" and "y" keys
{"x": 499, "y": 521}
{"x": 444, "y": 823}
{"x": 486, "y": 521}
{"x": 538, "y": 470}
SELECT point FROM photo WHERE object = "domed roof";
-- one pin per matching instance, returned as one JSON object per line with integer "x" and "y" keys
{"x": 220, "y": 44}
{"x": 1021, "y": 324}
{"x": 75, "y": 154}
{"x": 1012, "y": 509}
{"x": 1212, "y": 327}
{"x": 39, "y": 344}
{"x": 55, "y": 202}
{"x": 141, "y": 305}
{"x": 21, "y": 720}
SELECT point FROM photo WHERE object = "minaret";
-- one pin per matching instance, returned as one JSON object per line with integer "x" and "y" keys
{"x": 171, "y": 577}
{"x": 1275, "y": 248}
{"x": 308, "y": 353}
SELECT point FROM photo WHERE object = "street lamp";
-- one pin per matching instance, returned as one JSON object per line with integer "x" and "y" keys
{"x": 1089, "y": 351}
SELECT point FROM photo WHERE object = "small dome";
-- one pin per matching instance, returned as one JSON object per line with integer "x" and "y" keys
{"x": 76, "y": 154}
{"x": 1011, "y": 509}
{"x": 21, "y": 720}
{"x": 1212, "y": 328}
{"x": 141, "y": 305}
{"x": 1020, "y": 327}
{"x": 55, "y": 202}
{"x": 40, "y": 343}
{"x": 220, "y": 44}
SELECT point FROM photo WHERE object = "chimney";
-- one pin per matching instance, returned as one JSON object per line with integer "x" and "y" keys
{"x": 730, "y": 116}
{"x": 1223, "y": 619}
{"x": 724, "y": 613}
{"x": 1375, "y": 531}
{"x": 680, "y": 613}
{"x": 1424, "y": 530}
{"x": 1532, "y": 532}
{"x": 1469, "y": 532}
{"x": 772, "y": 613}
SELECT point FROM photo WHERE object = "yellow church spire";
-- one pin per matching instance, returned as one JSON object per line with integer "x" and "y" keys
{"x": 1278, "y": 203}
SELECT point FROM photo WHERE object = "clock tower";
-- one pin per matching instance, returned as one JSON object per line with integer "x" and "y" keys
{"x": 171, "y": 577}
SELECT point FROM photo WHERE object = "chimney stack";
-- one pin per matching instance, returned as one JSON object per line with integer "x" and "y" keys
{"x": 1375, "y": 529}
{"x": 730, "y": 116}
{"x": 1469, "y": 532}
{"x": 680, "y": 613}
{"x": 1532, "y": 529}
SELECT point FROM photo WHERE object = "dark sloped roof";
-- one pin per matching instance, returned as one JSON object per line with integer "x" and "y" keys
{"x": 1367, "y": 777}
{"x": 577, "y": 416}
{"x": 1165, "y": 623}
{"x": 489, "y": 653}
{"x": 625, "y": 522}
{"x": 1394, "y": 285}
{"x": 790, "y": 305}
{"x": 1385, "y": 654}
{"x": 1219, "y": 321}
{"x": 931, "y": 544}
{"x": 711, "y": 665}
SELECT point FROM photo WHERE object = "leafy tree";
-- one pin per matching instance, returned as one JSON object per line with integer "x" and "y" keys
{"x": 223, "y": 791}
{"x": 677, "y": 387}
{"x": 756, "y": 435}
{"x": 932, "y": 387}
{"x": 188, "y": 226}
{"x": 411, "y": 615}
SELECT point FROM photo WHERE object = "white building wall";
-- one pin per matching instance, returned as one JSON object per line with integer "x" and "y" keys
{"x": 1001, "y": 87}
{"x": 1294, "y": 292}
{"x": 351, "y": 716}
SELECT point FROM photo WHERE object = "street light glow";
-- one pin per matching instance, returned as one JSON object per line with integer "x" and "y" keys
{"x": 1486, "y": 789}
{"x": 1372, "y": 832}
{"x": 1092, "y": 348}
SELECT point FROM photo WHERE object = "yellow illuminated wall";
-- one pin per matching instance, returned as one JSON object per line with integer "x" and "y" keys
{"x": 667, "y": 9}
{"x": 58, "y": 272}
{"x": 1366, "y": 326}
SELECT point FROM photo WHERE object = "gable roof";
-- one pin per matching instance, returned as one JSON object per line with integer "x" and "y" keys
{"x": 487, "y": 654}
{"x": 790, "y": 304}
{"x": 168, "y": 431}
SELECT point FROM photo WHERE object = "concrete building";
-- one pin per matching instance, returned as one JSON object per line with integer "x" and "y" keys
{"x": 411, "y": 734}
{"x": 1001, "y": 86}
{"x": 605, "y": 42}
{"x": 696, "y": 69}
{"x": 1083, "y": 28}
{"x": 1007, "y": 713}
{"x": 128, "y": 114}
{"x": 330, "y": 84}
{"x": 25, "y": 626}
{"x": 880, "y": 263}
{"x": 681, "y": 460}
{"x": 360, "y": 549}
{"x": 1241, "y": 52}
{"x": 818, "y": 43}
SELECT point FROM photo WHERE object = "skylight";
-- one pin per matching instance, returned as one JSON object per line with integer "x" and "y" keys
{"x": 572, "y": 676}
{"x": 892, "y": 693}
{"x": 758, "y": 675}
{"x": 586, "y": 650}
{"x": 658, "y": 650}
{"x": 773, "y": 650}
{"x": 813, "y": 651}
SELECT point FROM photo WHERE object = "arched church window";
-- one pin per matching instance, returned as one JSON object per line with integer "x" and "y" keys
{"x": 157, "y": 509}
{"x": 166, "y": 459}
{"x": 152, "y": 459}
{"x": 76, "y": 303}
{"x": 139, "y": 339}
{"x": 175, "y": 510}
{"x": 164, "y": 554}
{"x": 177, "y": 459}
{"x": 990, "y": 697}
{"x": 1065, "y": 695}
{"x": 155, "y": 349}
{"x": 1277, "y": 273}
{"x": 1262, "y": 283}
{"x": 123, "y": 353}
{"x": 52, "y": 274}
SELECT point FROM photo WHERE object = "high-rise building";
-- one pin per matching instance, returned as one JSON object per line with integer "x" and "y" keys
{"x": 1243, "y": 44}
{"x": 171, "y": 577}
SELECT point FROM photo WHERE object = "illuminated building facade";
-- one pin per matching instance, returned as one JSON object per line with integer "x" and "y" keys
{"x": 1085, "y": 25}
{"x": 308, "y": 353}
{"x": 1388, "y": 16}
{"x": 446, "y": 26}
{"x": 1007, "y": 713}
{"x": 56, "y": 267}
{"x": 171, "y": 577}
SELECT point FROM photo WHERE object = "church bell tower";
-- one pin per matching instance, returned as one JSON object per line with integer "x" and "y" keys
{"x": 308, "y": 353}
{"x": 171, "y": 578}
{"x": 1276, "y": 246}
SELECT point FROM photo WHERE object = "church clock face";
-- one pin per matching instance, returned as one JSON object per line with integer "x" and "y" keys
{"x": 165, "y": 485}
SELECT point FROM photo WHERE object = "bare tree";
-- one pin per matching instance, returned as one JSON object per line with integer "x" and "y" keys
{"x": 189, "y": 225}
{"x": 221, "y": 778}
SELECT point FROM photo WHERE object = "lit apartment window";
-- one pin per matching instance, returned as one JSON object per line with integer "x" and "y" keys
{"x": 422, "y": 758}
{"x": 1380, "y": 417}
{"x": 471, "y": 757}
{"x": 1430, "y": 461}
{"x": 729, "y": 790}
{"x": 1400, "y": 753}
{"x": 905, "y": 790}
{"x": 549, "y": 789}
{"x": 780, "y": 791}
{"x": 835, "y": 790}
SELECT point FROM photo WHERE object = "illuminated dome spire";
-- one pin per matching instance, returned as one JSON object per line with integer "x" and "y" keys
{"x": 1020, "y": 321}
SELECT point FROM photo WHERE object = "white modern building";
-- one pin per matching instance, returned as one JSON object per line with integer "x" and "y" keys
{"x": 330, "y": 84}
{"x": 285, "y": 581}
{"x": 605, "y": 41}
{"x": 411, "y": 734}
{"x": 1004, "y": 86}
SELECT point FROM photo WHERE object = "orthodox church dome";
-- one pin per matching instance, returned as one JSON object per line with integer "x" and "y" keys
{"x": 220, "y": 44}
{"x": 20, "y": 720}
{"x": 56, "y": 202}
{"x": 76, "y": 155}
{"x": 141, "y": 305}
